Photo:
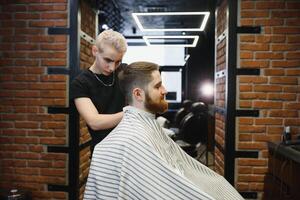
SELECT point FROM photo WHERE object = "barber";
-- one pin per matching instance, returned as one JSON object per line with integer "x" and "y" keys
{"x": 95, "y": 91}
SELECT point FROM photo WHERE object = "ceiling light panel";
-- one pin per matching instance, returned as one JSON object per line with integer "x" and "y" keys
{"x": 168, "y": 21}
{"x": 174, "y": 40}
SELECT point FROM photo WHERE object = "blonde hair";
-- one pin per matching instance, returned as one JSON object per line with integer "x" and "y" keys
{"x": 113, "y": 38}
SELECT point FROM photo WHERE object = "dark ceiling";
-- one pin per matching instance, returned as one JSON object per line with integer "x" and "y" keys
{"x": 118, "y": 13}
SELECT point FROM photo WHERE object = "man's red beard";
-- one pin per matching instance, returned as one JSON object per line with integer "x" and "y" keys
{"x": 159, "y": 107}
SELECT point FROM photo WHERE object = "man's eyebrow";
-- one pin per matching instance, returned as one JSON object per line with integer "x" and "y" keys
{"x": 158, "y": 84}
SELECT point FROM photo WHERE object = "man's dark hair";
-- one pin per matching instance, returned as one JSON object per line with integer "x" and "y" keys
{"x": 137, "y": 74}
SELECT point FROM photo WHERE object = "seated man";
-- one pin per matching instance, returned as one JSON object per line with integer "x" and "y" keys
{"x": 138, "y": 161}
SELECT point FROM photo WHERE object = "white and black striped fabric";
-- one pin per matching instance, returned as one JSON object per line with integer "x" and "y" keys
{"x": 138, "y": 161}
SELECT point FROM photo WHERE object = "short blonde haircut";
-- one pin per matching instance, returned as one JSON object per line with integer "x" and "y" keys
{"x": 112, "y": 38}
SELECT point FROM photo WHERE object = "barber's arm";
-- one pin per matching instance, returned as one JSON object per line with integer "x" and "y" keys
{"x": 93, "y": 118}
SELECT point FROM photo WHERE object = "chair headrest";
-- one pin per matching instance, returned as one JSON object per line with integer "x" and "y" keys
{"x": 198, "y": 107}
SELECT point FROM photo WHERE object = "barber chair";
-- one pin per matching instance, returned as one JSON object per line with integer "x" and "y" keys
{"x": 182, "y": 112}
{"x": 193, "y": 129}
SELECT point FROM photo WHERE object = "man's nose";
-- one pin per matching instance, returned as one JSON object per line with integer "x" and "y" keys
{"x": 164, "y": 91}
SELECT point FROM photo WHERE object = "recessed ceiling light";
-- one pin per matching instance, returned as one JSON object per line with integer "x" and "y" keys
{"x": 151, "y": 14}
{"x": 180, "y": 37}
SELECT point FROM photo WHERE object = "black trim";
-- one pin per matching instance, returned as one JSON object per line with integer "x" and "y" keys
{"x": 246, "y": 154}
{"x": 57, "y": 149}
{"x": 243, "y": 71}
{"x": 247, "y": 113}
{"x": 248, "y": 29}
{"x": 249, "y": 195}
{"x": 84, "y": 145}
{"x": 58, "y": 70}
{"x": 134, "y": 37}
{"x": 74, "y": 66}
{"x": 230, "y": 92}
{"x": 58, "y": 30}
{"x": 136, "y": 44}
{"x": 170, "y": 68}
{"x": 62, "y": 188}
{"x": 58, "y": 110}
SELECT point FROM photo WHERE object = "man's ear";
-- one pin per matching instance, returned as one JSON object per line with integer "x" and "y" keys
{"x": 94, "y": 50}
{"x": 138, "y": 94}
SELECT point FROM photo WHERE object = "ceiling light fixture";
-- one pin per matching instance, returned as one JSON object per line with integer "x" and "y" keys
{"x": 200, "y": 28}
{"x": 185, "y": 37}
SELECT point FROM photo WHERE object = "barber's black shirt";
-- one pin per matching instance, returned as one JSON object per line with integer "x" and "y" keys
{"x": 107, "y": 99}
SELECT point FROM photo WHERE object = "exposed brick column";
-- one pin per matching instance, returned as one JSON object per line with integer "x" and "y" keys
{"x": 275, "y": 92}
{"x": 27, "y": 128}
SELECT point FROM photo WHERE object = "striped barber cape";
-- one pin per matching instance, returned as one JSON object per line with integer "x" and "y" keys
{"x": 137, "y": 160}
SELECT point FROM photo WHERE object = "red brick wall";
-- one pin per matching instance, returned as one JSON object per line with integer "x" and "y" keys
{"x": 26, "y": 90}
{"x": 220, "y": 85}
{"x": 276, "y": 92}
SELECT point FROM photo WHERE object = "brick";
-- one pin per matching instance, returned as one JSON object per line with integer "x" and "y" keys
{"x": 54, "y": 62}
{"x": 292, "y": 122}
{"x": 25, "y": 155}
{"x": 254, "y": 64}
{"x": 286, "y": 64}
{"x": 284, "y": 113}
{"x": 286, "y": 30}
{"x": 269, "y": 22}
{"x": 26, "y": 124}
{"x": 245, "y": 104}
{"x": 244, "y": 120}
{"x": 252, "y": 145}
{"x": 274, "y": 130}
{"x": 293, "y": 72}
{"x": 245, "y": 88}
{"x": 267, "y": 104}
{"x": 282, "y": 96}
{"x": 53, "y": 172}
{"x": 26, "y": 46}
{"x": 293, "y": 106}
{"x": 246, "y": 55}
{"x": 274, "y": 72}
{"x": 251, "y": 129}
{"x": 256, "y": 14}
{"x": 270, "y": 5}
{"x": 53, "y": 15}
{"x": 268, "y": 121}
{"x": 293, "y": 5}
{"x": 250, "y": 95}
{"x": 285, "y": 14}
{"x": 293, "y": 39}
{"x": 54, "y": 78}
{"x": 294, "y": 89}
{"x": 27, "y": 16}
{"x": 53, "y": 125}
{"x": 293, "y": 55}
{"x": 253, "y": 79}
{"x": 245, "y": 137}
{"x": 292, "y": 22}
{"x": 254, "y": 47}
{"x": 247, "y": 38}
{"x": 26, "y": 140}
{"x": 278, "y": 38}
{"x": 284, "y": 47}
{"x": 268, "y": 55}
{"x": 52, "y": 141}
{"x": 284, "y": 80}
{"x": 53, "y": 46}
{"x": 247, "y": 5}
{"x": 247, "y": 22}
